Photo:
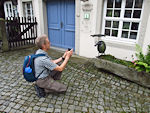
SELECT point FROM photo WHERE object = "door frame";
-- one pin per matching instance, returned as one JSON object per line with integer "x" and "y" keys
{"x": 77, "y": 24}
{"x": 58, "y": 34}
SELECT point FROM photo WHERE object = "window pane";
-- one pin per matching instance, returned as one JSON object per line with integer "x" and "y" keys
{"x": 133, "y": 35}
{"x": 7, "y": 7}
{"x": 125, "y": 34}
{"x": 138, "y": 3}
{"x": 108, "y": 24}
{"x": 126, "y": 25}
{"x": 110, "y": 3}
{"x": 28, "y": 5}
{"x": 137, "y": 14}
{"x": 134, "y": 26}
{"x": 28, "y": 11}
{"x": 117, "y": 13}
{"x": 115, "y": 24}
{"x": 109, "y": 13}
{"x": 118, "y": 3}
{"x": 129, "y": 3}
{"x": 128, "y": 13}
{"x": 29, "y": 17}
{"x": 115, "y": 33}
{"x": 107, "y": 32}
{"x": 10, "y": 6}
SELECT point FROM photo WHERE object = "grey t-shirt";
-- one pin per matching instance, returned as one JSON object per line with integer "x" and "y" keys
{"x": 43, "y": 63}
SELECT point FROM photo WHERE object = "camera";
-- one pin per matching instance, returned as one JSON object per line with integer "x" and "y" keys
{"x": 69, "y": 49}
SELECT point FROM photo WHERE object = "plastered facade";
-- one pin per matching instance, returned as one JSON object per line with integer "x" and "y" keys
{"x": 85, "y": 27}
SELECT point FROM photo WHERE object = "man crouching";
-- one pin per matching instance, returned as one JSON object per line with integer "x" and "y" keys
{"x": 48, "y": 69}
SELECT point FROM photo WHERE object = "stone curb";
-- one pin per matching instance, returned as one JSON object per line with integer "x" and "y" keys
{"x": 141, "y": 78}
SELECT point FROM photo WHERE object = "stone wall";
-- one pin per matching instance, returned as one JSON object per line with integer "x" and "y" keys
{"x": 3, "y": 35}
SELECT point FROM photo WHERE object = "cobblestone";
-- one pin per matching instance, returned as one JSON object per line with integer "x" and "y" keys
{"x": 36, "y": 108}
{"x": 57, "y": 110}
{"x": 89, "y": 91}
{"x": 49, "y": 109}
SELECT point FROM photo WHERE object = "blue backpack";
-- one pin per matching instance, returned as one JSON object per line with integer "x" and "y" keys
{"x": 28, "y": 67}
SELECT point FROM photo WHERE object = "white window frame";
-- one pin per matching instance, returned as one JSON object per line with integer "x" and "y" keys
{"x": 10, "y": 10}
{"x": 121, "y": 19}
{"x": 26, "y": 9}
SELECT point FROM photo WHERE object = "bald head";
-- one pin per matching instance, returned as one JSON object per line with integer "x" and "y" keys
{"x": 41, "y": 40}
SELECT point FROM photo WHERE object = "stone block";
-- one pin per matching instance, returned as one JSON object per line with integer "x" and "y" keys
{"x": 141, "y": 78}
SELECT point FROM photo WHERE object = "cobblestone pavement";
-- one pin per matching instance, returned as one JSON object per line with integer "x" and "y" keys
{"x": 89, "y": 90}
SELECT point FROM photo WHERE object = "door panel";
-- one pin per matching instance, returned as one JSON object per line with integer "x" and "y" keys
{"x": 61, "y": 23}
{"x": 69, "y": 41}
{"x": 54, "y": 36}
{"x": 69, "y": 29}
{"x": 53, "y": 12}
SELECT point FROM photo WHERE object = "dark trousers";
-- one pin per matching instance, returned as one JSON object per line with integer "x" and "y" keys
{"x": 50, "y": 84}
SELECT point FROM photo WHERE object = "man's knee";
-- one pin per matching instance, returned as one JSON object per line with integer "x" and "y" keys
{"x": 56, "y": 75}
{"x": 58, "y": 87}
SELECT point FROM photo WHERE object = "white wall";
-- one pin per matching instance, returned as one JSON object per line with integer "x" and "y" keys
{"x": 119, "y": 49}
{"x": 39, "y": 11}
{"x": 122, "y": 51}
{"x": 20, "y": 9}
{"x": 84, "y": 43}
{"x": 77, "y": 26}
{"x": 147, "y": 37}
{"x": 87, "y": 28}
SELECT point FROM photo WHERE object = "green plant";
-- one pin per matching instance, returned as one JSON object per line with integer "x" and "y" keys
{"x": 116, "y": 60}
{"x": 143, "y": 62}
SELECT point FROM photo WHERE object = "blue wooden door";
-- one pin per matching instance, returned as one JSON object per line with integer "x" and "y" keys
{"x": 61, "y": 23}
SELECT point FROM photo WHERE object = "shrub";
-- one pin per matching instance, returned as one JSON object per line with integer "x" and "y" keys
{"x": 143, "y": 62}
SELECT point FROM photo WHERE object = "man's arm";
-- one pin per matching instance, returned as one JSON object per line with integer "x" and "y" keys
{"x": 63, "y": 65}
{"x": 59, "y": 59}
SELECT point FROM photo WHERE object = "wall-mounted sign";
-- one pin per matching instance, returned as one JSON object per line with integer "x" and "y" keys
{"x": 86, "y": 15}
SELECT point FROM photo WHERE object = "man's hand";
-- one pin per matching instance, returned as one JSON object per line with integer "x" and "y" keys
{"x": 69, "y": 53}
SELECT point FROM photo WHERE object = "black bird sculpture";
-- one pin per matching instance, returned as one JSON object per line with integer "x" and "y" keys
{"x": 101, "y": 46}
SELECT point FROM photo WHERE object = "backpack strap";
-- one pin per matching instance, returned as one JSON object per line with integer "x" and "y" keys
{"x": 29, "y": 61}
{"x": 40, "y": 74}
{"x": 36, "y": 56}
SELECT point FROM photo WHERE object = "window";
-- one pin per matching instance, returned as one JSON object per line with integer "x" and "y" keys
{"x": 10, "y": 9}
{"x": 122, "y": 18}
{"x": 28, "y": 10}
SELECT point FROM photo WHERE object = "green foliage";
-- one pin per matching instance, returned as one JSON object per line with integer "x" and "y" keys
{"x": 141, "y": 66}
{"x": 116, "y": 60}
{"x": 139, "y": 53}
{"x": 143, "y": 62}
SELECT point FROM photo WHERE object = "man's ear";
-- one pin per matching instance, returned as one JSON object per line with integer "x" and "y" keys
{"x": 43, "y": 46}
